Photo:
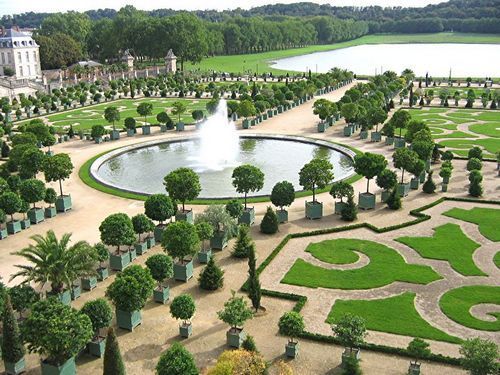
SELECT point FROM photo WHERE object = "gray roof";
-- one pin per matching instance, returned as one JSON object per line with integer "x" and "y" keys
{"x": 89, "y": 63}
{"x": 14, "y": 38}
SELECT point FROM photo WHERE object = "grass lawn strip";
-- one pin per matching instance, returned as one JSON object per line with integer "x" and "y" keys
{"x": 450, "y": 244}
{"x": 393, "y": 315}
{"x": 489, "y": 144}
{"x": 486, "y": 218}
{"x": 456, "y": 304}
{"x": 455, "y": 134}
{"x": 491, "y": 129}
{"x": 496, "y": 259}
{"x": 386, "y": 266}
{"x": 328, "y": 253}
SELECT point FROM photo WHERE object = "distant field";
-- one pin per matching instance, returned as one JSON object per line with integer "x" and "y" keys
{"x": 261, "y": 61}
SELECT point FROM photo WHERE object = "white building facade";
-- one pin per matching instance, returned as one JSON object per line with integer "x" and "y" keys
{"x": 19, "y": 52}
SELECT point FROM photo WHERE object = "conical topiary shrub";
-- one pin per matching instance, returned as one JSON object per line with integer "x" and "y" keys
{"x": 269, "y": 224}
{"x": 12, "y": 345}
{"x": 243, "y": 243}
{"x": 113, "y": 362}
{"x": 212, "y": 277}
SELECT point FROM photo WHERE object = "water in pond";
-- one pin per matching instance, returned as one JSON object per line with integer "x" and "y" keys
{"x": 143, "y": 169}
{"x": 474, "y": 60}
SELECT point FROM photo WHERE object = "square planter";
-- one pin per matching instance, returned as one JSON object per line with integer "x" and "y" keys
{"x": 314, "y": 210}
{"x": 162, "y": 294}
{"x": 270, "y": 113}
{"x": 3, "y": 233}
{"x": 50, "y": 212}
{"x": 414, "y": 183}
{"x": 235, "y": 337}
{"x": 141, "y": 248}
{"x": 64, "y": 297}
{"x": 118, "y": 262}
{"x": 67, "y": 368}
{"x": 163, "y": 128}
{"x": 49, "y": 153}
{"x": 158, "y": 232}
{"x": 292, "y": 349}
{"x": 348, "y": 354}
{"x": 322, "y": 127}
{"x": 246, "y": 124}
{"x": 186, "y": 215}
{"x": 282, "y": 216}
{"x": 133, "y": 255}
{"x": 414, "y": 369}
{"x": 399, "y": 143}
{"x": 16, "y": 368}
{"x": 183, "y": 272}
{"x": 385, "y": 195}
{"x": 36, "y": 215}
{"x": 179, "y": 126}
{"x": 63, "y": 203}
{"x": 366, "y": 201}
{"x": 89, "y": 283}
{"x": 130, "y": 132}
{"x": 186, "y": 330}
{"x": 348, "y": 131}
{"x": 13, "y": 227}
{"x": 247, "y": 217}
{"x": 446, "y": 180}
{"x": 146, "y": 130}
{"x": 219, "y": 240}
{"x": 128, "y": 319}
{"x": 339, "y": 206}
{"x": 389, "y": 141}
{"x": 422, "y": 177}
{"x": 96, "y": 347}
{"x": 444, "y": 188}
{"x": 150, "y": 242}
{"x": 76, "y": 292}
{"x": 115, "y": 135}
{"x": 204, "y": 256}
{"x": 25, "y": 223}
{"x": 102, "y": 273}
{"x": 403, "y": 189}
{"x": 98, "y": 140}
{"x": 376, "y": 136}
{"x": 363, "y": 134}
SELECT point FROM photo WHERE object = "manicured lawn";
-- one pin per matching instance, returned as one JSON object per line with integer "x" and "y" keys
{"x": 491, "y": 129}
{"x": 394, "y": 315}
{"x": 450, "y": 244}
{"x": 386, "y": 266}
{"x": 455, "y": 134}
{"x": 488, "y": 220}
{"x": 456, "y": 304}
{"x": 491, "y": 145}
{"x": 327, "y": 252}
{"x": 496, "y": 259}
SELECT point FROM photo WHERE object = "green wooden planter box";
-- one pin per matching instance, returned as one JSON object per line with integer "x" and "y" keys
{"x": 322, "y": 127}
{"x": 235, "y": 338}
{"x": 403, "y": 189}
{"x": 186, "y": 215}
{"x": 63, "y": 203}
{"x": 16, "y": 368}
{"x": 67, "y": 368}
{"x": 64, "y": 297}
{"x": 183, "y": 272}
{"x": 150, "y": 242}
{"x": 366, "y": 201}
{"x": 36, "y": 215}
{"x": 50, "y": 212}
{"x": 204, "y": 256}
{"x": 25, "y": 223}
{"x": 130, "y": 132}
{"x": 179, "y": 127}
{"x": 163, "y": 128}
{"x": 96, "y": 347}
{"x": 339, "y": 206}
{"x": 98, "y": 140}
{"x": 446, "y": 180}
{"x": 389, "y": 141}
{"x": 146, "y": 130}
{"x": 414, "y": 183}
{"x": 414, "y": 369}
{"x": 3, "y": 233}
{"x": 282, "y": 216}
{"x": 13, "y": 227}
{"x": 247, "y": 217}
{"x": 422, "y": 177}
{"x": 376, "y": 136}
{"x": 128, "y": 319}
{"x": 76, "y": 292}
{"x": 280, "y": 109}
{"x": 141, "y": 248}
{"x": 363, "y": 134}
{"x": 348, "y": 130}
{"x": 246, "y": 124}
{"x": 292, "y": 349}
{"x": 161, "y": 295}
{"x": 385, "y": 195}
{"x": 270, "y": 113}
{"x": 314, "y": 210}
{"x": 158, "y": 232}
{"x": 89, "y": 283}
{"x": 399, "y": 143}
{"x": 49, "y": 153}
{"x": 114, "y": 135}
{"x": 185, "y": 330}
{"x": 218, "y": 241}
{"x": 102, "y": 273}
{"x": 444, "y": 188}
{"x": 118, "y": 262}
{"x": 133, "y": 255}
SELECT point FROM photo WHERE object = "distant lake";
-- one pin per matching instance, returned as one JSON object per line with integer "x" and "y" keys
{"x": 475, "y": 60}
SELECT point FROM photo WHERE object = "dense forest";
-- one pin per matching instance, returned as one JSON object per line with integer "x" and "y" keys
{"x": 102, "y": 34}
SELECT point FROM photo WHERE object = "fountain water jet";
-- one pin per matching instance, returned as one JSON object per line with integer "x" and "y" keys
{"x": 219, "y": 142}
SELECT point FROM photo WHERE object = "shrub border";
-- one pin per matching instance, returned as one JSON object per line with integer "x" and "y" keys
{"x": 301, "y": 300}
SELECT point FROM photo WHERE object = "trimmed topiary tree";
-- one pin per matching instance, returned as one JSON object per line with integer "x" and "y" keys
{"x": 183, "y": 307}
{"x": 429, "y": 186}
{"x": 22, "y": 296}
{"x": 350, "y": 331}
{"x": 100, "y": 315}
{"x": 244, "y": 243}
{"x": 12, "y": 344}
{"x": 315, "y": 175}
{"x": 246, "y": 179}
{"x": 32, "y": 191}
{"x": 235, "y": 313}
{"x": 269, "y": 224}
{"x": 475, "y": 152}
{"x": 181, "y": 241}
{"x": 386, "y": 180}
{"x": 113, "y": 362}
{"x": 291, "y": 324}
{"x": 341, "y": 190}
{"x": 394, "y": 199}
{"x": 117, "y": 230}
{"x": 161, "y": 268}
{"x": 474, "y": 164}
{"x": 176, "y": 361}
{"x": 142, "y": 224}
{"x": 350, "y": 211}
{"x": 249, "y": 344}
{"x": 253, "y": 283}
{"x": 224, "y": 226}
{"x": 159, "y": 207}
{"x": 475, "y": 186}
{"x": 212, "y": 276}
{"x": 282, "y": 195}
{"x": 182, "y": 185}
{"x": 234, "y": 208}
{"x": 417, "y": 349}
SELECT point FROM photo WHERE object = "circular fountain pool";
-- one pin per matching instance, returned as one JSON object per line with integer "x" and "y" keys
{"x": 141, "y": 168}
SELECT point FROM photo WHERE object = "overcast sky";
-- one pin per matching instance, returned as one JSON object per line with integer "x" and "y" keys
{"x": 21, "y": 6}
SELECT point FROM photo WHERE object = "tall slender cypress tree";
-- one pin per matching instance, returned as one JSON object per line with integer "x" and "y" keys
{"x": 254, "y": 292}
{"x": 113, "y": 362}
{"x": 12, "y": 346}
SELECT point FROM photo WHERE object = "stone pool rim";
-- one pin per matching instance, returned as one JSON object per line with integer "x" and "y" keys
{"x": 100, "y": 160}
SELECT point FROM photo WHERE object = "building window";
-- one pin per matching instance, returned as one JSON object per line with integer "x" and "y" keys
{"x": 21, "y": 71}
{"x": 29, "y": 70}
{"x": 19, "y": 57}
{"x": 27, "y": 56}
{"x": 3, "y": 58}
{"x": 34, "y": 56}
{"x": 8, "y": 58}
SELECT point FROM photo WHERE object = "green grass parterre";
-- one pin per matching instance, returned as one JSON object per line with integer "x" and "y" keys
{"x": 486, "y": 218}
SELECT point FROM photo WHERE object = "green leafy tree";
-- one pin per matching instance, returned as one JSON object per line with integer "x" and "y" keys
{"x": 97, "y": 131}
{"x": 244, "y": 242}
{"x": 349, "y": 111}
{"x": 246, "y": 109}
{"x": 205, "y": 232}
{"x": 400, "y": 120}
{"x": 350, "y": 330}
{"x": 183, "y": 307}
{"x": 212, "y": 276}
{"x": 369, "y": 165}
{"x": 50, "y": 196}
{"x": 218, "y": 217}
{"x": 234, "y": 208}
{"x": 316, "y": 175}
{"x": 99, "y": 313}
{"x": 269, "y": 224}
{"x": 350, "y": 211}
{"x": 112, "y": 115}
{"x": 57, "y": 168}
{"x": 32, "y": 191}
{"x": 31, "y": 163}
{"x": 180, "y": 240}
{"x": 480, "y": 357}
{"x": 197, "y": 115}
{"x": 387, "y": 179}
{"x": 178, "y": 109}
{"x": 212, "y": 105}
{"x": 182, "y": 184}
{"x": 246, "y": 179}
{"x": 54, "y": 261}
{"x": 235, "y": 312}
{"x": 113, "y": 362}
{"x": 161, "y": 267}
{"x": 322, "y": 108}
{"x": 130, "y": 123}
{"x": 163, "y": 118}
{"x": 475, "y": 186}
{"x": 283, "y": 194}
{"x": 142, "y": 224}
{"x": 418, "y": 349}
{"x": 404, "y": 159}
{"x": 291, "y": 324}
{"x": 176, "y": 361}
{"x": 10, "y": 203}
{"x": 22, "y": 297}
{"x": 341, "y": 190}
{"x": 253, "y": 283}
{"x": 159, "y": 207}
{"x": 475, "y": 152}
{"x": 56, "y": 331}
{"x": 145, "y": 109}
{"x": 117, "y": 230}
{"x": 474, "y": 164}
{"x": 12, "y": 344}
{"x": 125, "y": 293}
{"x": 249, "y": 344}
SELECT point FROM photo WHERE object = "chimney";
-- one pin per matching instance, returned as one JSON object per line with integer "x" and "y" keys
{"x": 2, "y": 31}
